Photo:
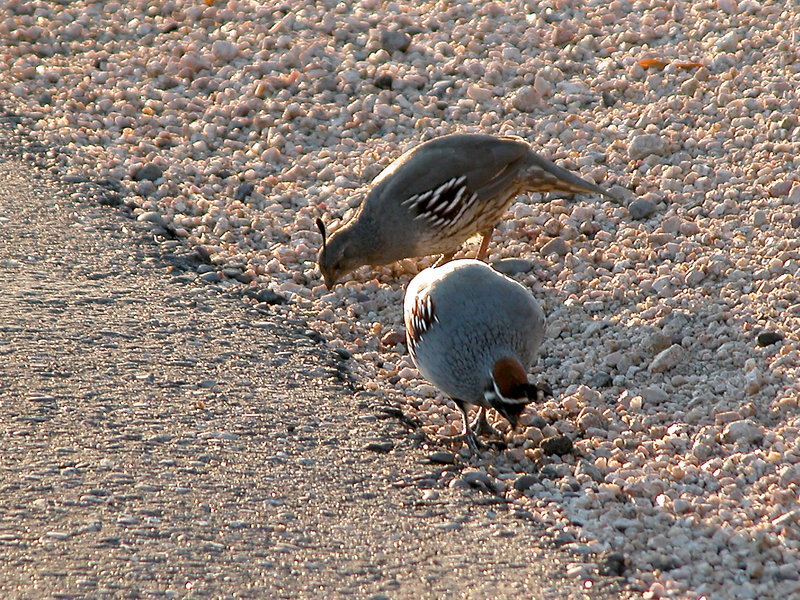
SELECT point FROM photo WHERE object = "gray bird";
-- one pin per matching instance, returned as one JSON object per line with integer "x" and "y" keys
{"x": 474, "y": 334}
{"x": 436, "y": 196}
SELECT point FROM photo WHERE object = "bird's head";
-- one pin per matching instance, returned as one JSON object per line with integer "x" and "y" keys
{"x": 339, "y": 255}
{"x": 509, "y": 392}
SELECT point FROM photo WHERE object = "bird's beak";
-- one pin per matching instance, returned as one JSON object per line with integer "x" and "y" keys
{"x": 511, "y": 417}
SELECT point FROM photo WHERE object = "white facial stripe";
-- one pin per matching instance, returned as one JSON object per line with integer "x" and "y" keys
{"x": 494, "y": 395}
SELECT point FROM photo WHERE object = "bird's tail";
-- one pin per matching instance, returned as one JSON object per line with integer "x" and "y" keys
{"x": 544, "y": 176}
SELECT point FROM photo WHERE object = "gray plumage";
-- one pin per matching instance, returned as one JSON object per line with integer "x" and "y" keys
{"x": 464, "y": 320}
{"x": 437, "y": 195}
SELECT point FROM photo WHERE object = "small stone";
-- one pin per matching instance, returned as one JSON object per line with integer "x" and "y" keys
{"x": 244, "y": 191}
{"x": 641, "y": 209}
{"x": 656, "y": 342}
{"x": 701, "y": 450}
{"x": 743, "y": 430}
{"x": 556, "y": 246}
{"x": 689, "y": 228}
{"x": 659, "y": 239}
{"x": 391, "y": 339}
{"x": 265, "y": 296}
{"x": 211, "y": 277}
{"x": 523, "y": 482}
{"x": 513, "y": 266}
{"x": 667, "y": 359}
{"x": 644, "y": 145}
{"x": 380, "y": 447}
{"x": 753, "y": 381}
{"x": 654, "y": 395}
{"x": 767, "y": 338}
{"x": 149, "y": 172}
{"x": 694, "y": 277}
{"x": 689, "y": 87}
{"x": 443, "y": 458}
{"x": 430, "y": 495}
{"x": 612, "y": 565}
{"x": 562, "y": 35}
{"x": 343, "y": 353}
{"x": 790, "y": 476}
{"x": 585, "y": 468}
{"x": 728, "y": 42}
{"x": 478, "y": 479}
{"x": 781, "y": 188}
{"x": 558, "y": 444}
{"x": 794, "y": 195}
{"x": 384, "y": 81}
{"x": 224, "y": 51}
{"x": 527, "y": 99}
{"x": 392, "y": 41}
{"x": 589, "y": 420}
{"x": 601, "y": 379}
{"x": 479, "y": 94}
{"x": 608, "y": 99}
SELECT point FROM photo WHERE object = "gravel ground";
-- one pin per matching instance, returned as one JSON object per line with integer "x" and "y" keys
{"x": 161, "y": 439}
{"x": 672, "y": 345}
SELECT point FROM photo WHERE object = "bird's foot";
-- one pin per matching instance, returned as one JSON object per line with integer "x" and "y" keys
{"x": 475, "y": 445}
{"x": 481, "y": 426}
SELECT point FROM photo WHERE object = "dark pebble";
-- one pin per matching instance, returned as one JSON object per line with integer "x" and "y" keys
{"x": 150, "y": 171}
{"x": 315, "y": 336}
{"x": 343, "y": 353}
{"x": 381, "y": 447}
{"x": 537, "y": 421}
{"x": 440, "y": 88}
{"x": 767, "y": 338}
{"x": 601, "y": 380}
{"x": 641, "y": 208}
{"x": 265, "y": 295}
{"x": 548, "y": 472}
{"x": 612, "y": 564}
{"x": 244, "y": 191}
{"x": 796, "y": 221}
{"x": 523, "y": 483}
{"x": 392, "y": 41}
{"x": 478, "y": 479}
{"x": 109, "y": 199}
{"x": 558, "y": 444}
{"x": 75, "y": 179}
{"x": 608, "y": 99}
{"x": 384, "y": 81}
{"x": 443, "y": 458}
{"x": 111, "y": 184}
{"x": 326, "y": 84}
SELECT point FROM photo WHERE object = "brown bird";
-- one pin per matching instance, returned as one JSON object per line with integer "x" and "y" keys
{"x": 436, "y": 196}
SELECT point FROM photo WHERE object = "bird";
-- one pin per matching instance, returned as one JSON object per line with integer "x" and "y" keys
{"x": 437, "y": 195}
{"x": 474, "y": 334}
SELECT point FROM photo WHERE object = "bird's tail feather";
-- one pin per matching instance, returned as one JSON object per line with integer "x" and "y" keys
{"x": 546, "y": 176}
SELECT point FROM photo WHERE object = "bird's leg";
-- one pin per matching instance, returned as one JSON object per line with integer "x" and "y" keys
{"x": 481, "y": 426}
{"x": 444, "y": 258}
{"x": 484, "y": 249}
{"x": 467, "y": 435}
